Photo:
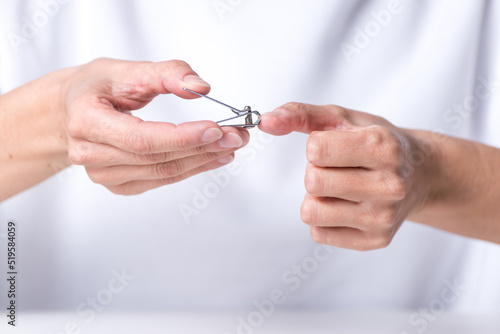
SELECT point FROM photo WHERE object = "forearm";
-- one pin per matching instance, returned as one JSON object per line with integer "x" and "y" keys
{"x": 81, "y": 116}
{"x": 32, "y": 137}
{"x": 464, "y": 190}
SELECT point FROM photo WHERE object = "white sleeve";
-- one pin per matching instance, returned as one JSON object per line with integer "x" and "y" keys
{"x": 487, "y": 88}
{"x": 6, "y": 11}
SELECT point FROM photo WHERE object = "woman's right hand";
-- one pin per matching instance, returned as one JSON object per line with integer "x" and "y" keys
{"x": 126, "y": 154}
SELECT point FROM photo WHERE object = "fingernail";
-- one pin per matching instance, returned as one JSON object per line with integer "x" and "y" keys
{"x": 246, "y": 136}
{"x": 195, "y": 80}
{"x": 272, "y": 113}
{"x": 211, "y": 135}
{"x": 225, "y": 160}
{"x": 231, "y": 140}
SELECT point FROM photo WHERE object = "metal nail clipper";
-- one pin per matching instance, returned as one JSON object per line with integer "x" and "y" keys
{"x": 246, "y": 112}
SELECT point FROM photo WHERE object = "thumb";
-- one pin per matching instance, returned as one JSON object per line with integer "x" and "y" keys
{"x": 146, "y": 80}
{"x": 301, "y": 117}
{"x": 177, "y": 75}
{"x": 131, "y": 85}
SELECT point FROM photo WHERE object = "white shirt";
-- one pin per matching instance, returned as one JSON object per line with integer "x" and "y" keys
{"x": 411, "y": 63}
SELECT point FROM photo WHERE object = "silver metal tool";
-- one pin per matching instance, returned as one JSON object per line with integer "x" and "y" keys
{"x": 246, "y": 112}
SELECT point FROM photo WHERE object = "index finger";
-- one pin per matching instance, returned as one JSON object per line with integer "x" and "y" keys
{"x": 301, "y": 117}
{"x": 132, "y": 134}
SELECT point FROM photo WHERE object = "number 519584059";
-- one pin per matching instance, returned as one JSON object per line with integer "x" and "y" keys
{"x": 11, "y": 245}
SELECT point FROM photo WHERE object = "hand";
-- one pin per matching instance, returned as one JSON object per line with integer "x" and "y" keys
{"x": 362, "y": 179}
{"x": 124, "y": 153}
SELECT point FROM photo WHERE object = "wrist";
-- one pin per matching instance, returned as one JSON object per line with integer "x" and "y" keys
{"x": 33, "y": 135}
{"x": 429, "y": 177}
{"x": 58, "y": 84}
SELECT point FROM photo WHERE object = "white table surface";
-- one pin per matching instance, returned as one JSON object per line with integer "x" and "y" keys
{"x": 226, "y": 322}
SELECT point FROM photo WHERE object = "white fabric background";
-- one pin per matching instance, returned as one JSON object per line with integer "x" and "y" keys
{"x": 263, "y": 54}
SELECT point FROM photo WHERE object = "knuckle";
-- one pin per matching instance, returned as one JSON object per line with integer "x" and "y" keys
{"x": 384, "y": 144}
{"x": 176, "y": 64}
{"x": 168, "y": 169}
{"x": 153, "y": 158}
{"x": 374, "y": 136}
{"x": 78, "y": 154}
{"x": 181, "y": 142}
{"x": 100, "y": 61}
{"x": 386, "y": 218}
{"x": 338, "y": 111}
{"x": 74, "y": 128}
{"x": 393, "y": 152}
{"x": 393, "y": 149}
{"x": 308, "y": 211}
{"x": 294, "y": 106}
{"x": 211, "y": 156}
{"x": 379, "y": 218}
{"x": 138, "y": 142}
{"x": 124, "y": 190}
{"x": 315, "y": 148}
{"x": 390, "y": 185}
{"x": 371, "y": 242}
{"x": 317, "y": 236}
{"x": 201, "y": 149}
{"x": 313, "y": 181}
{"x": 95, "y": 134}
{"x": 378, "y": 242}
{"x": 396, "y": 188}
{"x": 148, "y": 158}
{"x": 96, "y": 63}
{"x": 74, "y": 157}
{"x": 363, "y": 247}
{"x": 96, "y": 175}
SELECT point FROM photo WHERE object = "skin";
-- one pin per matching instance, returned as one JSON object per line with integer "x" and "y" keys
{"x": 81, "y": 116}
{"x": 365, "y": 176}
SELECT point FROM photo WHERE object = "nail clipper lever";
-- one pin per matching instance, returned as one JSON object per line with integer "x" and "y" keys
{"x": 246, "y": 112}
